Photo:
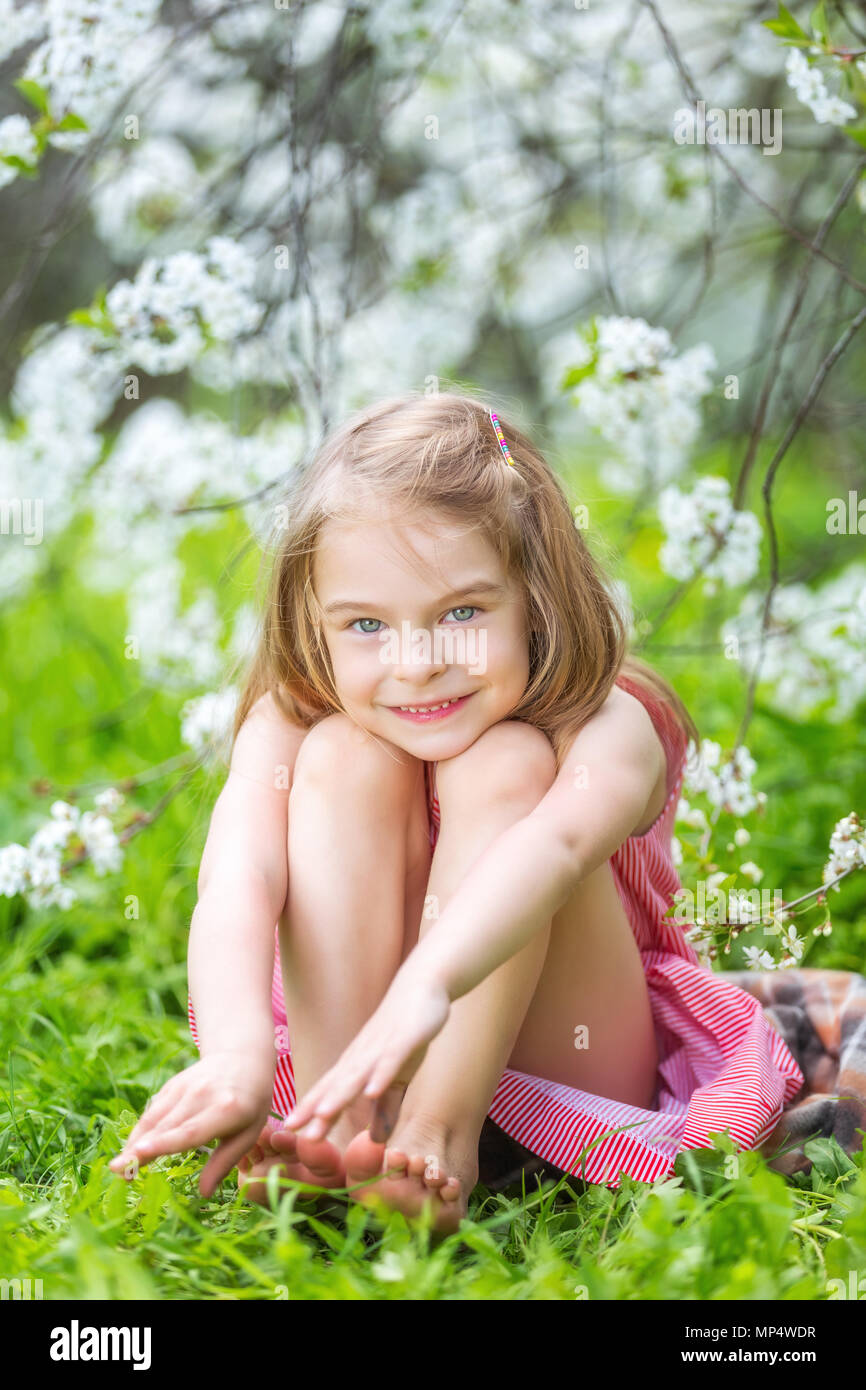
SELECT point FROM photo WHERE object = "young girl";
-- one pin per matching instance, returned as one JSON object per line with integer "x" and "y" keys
{"x": 453, "y": 793}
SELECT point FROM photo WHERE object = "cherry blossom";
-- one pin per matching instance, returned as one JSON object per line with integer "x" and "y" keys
{"x": 696, "y": 522}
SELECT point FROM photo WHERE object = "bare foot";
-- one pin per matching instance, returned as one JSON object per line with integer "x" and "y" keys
{"x": 425, "y": 1164}
{"x": 316, "y": 1162}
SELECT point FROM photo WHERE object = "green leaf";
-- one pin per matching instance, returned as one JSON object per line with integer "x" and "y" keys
{"x": 157, "y": 1193}
{"x": 818, "y": 21}
{"x": 786, "y": 26}
{"x": 576, "y": 374}
{"x": 114, "y": 1198}
{"x": 32, "y": 92}
{"x": 857, "y": 133}
{"x": 27, "y": 171}
{"x": 828, "y": 1157}
{"x": 332, "y": 1238}
{"x": 72, "y": 122}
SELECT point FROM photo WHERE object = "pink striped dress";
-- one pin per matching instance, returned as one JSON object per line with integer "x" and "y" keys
{"x": 722, "y": 1065}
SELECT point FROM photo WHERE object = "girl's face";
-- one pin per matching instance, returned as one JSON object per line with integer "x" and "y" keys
{"x": 417, "y": 616}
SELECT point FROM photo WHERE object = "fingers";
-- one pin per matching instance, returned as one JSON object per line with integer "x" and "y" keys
{"x": 186, "y": 1130}
{"x": 186, "y": 1134}
{"x": 307, "y": 1108}
{"x": 141, "y": 1136}
{"x": 383, "y": 1075}
{"x": 326, "y": 1101}
{"x": 157, "y": 1107}
{"x": 224, "y": 1158}
{"x": 385, "y": 1112}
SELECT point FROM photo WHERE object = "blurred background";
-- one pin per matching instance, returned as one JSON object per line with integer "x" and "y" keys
{"x": 224, "y": 226}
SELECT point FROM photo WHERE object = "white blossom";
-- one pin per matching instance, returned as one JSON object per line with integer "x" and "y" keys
{"x": 109, "y": 800}
{"x": 847, "y": 849}
{"x": 694, "y": 524}
{"x": 66, "y": 383}
{"x": 752, "y": 871}
{"x": 808, "y": 83}
{"x": 693, "y": 816}
{"x": 163, "y": 461}
{"x": 13, "y": 869}
{"x": 793, "y": 943}
{"x": 207, "y": 720}
{"x": 642, "y": 397}
{"x": 99, "y": 839}
{"x": 248, "y": 24}
{"x": 833, "y": 111}
{"x": 34, "y": 870}
{"x": 758, "y": 959}
{"x": 143, "y": 193}
{"x": 162, "y": 316}
{"x": 814, "y": 650}
{"x": 175, "y": 646}
{"x": 92, "y": 51}
{"x": 17, "y": 140}
{"x": 19, "y": 24}
{"x": 730, "y": 788}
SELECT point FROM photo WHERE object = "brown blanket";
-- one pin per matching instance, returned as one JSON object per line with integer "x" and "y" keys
{"x": 821, "y": 1014}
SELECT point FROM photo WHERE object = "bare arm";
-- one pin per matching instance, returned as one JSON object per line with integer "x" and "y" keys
{"x": 605, "y": 790}
{"x": 600, "y": 796}
{"x": 242, "y": 885}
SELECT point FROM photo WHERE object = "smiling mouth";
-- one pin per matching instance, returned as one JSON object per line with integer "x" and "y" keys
{"x": 428, "y": 709}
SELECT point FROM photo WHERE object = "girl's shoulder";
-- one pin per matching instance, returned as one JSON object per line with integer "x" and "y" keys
{"x": 667, "y": 726}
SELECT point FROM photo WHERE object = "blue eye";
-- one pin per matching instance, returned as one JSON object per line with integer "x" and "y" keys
{"x": 354, "y": 625}
{"x": 466, "y": 608}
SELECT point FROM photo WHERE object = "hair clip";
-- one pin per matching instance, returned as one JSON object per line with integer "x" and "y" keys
{"x": 501, "y": 437}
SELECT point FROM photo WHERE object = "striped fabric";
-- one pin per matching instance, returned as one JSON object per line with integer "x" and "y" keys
{"x": 722, "y": 1065}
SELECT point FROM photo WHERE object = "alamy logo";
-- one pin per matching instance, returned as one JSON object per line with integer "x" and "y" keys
{"x": 20, "y": 1288}
{"x": 847, "y": 519}
{"x": 75, "y": 1343}
{"x": 737, "y": 126}
{"x": 22, "y": 516}
{"x": 450, "y": 646}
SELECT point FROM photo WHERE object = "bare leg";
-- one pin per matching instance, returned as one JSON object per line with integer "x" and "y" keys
{"x": 497, "y": 781}
{"x": 358, "y": 852}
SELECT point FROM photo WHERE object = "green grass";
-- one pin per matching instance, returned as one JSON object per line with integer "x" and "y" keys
{"x": 89, "y": 1035}
{"x": 94, "y": 1022}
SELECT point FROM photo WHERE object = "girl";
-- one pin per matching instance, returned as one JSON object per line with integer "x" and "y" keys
{"x": 453, "y": 793}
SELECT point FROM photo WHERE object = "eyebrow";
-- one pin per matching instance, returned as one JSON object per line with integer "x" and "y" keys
{"x": 476, "y": 586}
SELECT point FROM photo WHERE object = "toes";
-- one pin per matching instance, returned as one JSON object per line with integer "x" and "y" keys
{"x": 450, "y": 1191}
{"x": 322, "y": 1158}
{"x": 283, "y": 1141}
{"x": 428, "y": 1168}
{"x": 364, "y": 1157}
{"x": 417, "y": 1165}
{"x": 434, "y": 1176}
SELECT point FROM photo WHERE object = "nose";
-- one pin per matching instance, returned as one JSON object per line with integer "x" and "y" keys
{"x": 416, "y": 658}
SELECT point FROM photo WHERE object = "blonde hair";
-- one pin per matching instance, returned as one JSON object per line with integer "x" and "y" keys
{"x": 439, "y": 453}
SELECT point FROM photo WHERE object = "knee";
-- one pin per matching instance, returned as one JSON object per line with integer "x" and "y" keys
{"x": 337, "y": 751}
{"x": 512, "y": 761}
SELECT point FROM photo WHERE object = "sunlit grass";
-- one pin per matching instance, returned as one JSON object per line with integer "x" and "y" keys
{"x": 94, "y": 1022}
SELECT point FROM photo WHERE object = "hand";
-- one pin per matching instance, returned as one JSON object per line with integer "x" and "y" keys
{"x": 387, "y": 1052}
{"x": 225, "y": 1095}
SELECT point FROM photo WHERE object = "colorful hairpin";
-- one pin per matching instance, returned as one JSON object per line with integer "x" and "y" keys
{"x": 501, "y": 437}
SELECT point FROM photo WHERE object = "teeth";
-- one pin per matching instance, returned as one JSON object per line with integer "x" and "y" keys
{"x": 425, "y": 709}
